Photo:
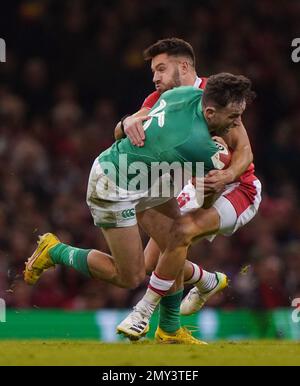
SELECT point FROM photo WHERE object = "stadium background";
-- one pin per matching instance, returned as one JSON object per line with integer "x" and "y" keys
{"x": 73, "y": 69}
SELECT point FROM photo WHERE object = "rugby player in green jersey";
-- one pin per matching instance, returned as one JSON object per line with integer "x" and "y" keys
{"x": 173, "y": 65}
{"x": 116, "y": 203}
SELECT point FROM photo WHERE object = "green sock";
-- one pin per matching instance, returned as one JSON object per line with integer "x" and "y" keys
{"x": 169, "y": 312}
{"x": 71, "y": 257}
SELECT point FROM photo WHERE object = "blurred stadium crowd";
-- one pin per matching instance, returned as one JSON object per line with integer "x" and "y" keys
{"x": 73, "y": 69}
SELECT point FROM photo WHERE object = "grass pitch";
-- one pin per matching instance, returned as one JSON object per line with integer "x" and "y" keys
{"x": 33, "y": 352}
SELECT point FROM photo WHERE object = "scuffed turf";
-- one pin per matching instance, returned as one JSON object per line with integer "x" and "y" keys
{"x": 78, "y": 353}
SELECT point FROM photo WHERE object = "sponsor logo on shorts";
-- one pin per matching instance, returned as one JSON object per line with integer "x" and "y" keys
{"x": 128, "y": 213}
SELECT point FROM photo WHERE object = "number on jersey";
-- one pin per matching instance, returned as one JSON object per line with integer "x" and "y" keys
{"x": 158, "y": 113}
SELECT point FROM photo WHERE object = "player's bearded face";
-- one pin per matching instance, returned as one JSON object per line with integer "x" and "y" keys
{"x": 169, "y": 80}
{"x": 166, "y": 73}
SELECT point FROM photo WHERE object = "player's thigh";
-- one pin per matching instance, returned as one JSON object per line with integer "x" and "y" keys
{"x": 158, "y": 221}
{"x": 126, "y": 247}
{"x": 204, "y": 222}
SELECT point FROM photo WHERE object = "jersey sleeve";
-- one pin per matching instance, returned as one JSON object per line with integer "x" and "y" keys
{"x": 151, "y": 99}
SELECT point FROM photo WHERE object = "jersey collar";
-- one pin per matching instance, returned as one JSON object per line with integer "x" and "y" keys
{"x": 197, "y": 83}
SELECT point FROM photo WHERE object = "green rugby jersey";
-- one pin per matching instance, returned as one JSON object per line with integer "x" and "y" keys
{"x": 176, "y": 132}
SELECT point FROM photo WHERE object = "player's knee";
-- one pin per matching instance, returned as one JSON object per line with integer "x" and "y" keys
{"x": 133, "y": 281}
{"x": 182, "y": 231}
{"x": 203, "y": 223}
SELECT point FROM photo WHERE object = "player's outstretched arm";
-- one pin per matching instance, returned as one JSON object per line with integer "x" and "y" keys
{"x": 237, "y": 139}
{"x": 133, "y": 127}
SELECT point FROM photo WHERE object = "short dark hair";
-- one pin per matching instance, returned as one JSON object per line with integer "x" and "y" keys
{"x": 172, "y": 47}
{"x": 224, "y": 88}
